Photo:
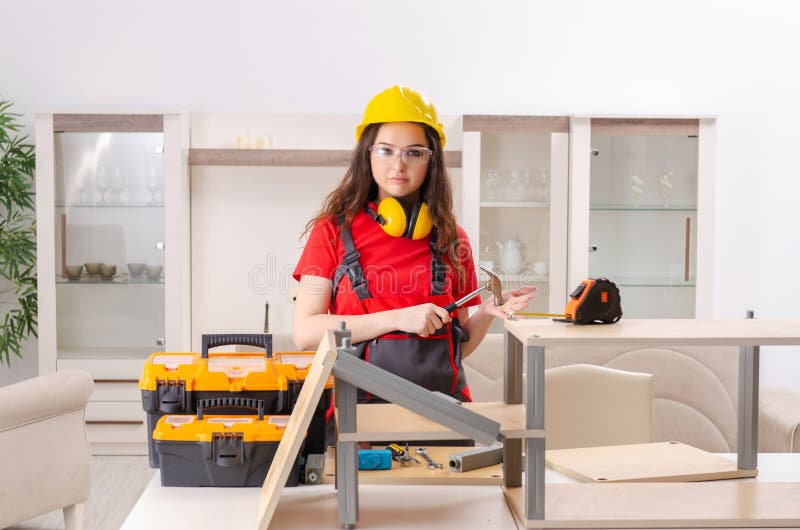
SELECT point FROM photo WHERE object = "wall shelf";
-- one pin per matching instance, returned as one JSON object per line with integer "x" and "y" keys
{"x": 286, "y": 157}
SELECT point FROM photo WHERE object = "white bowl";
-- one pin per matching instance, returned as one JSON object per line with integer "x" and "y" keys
{"x": 153, "y": 272}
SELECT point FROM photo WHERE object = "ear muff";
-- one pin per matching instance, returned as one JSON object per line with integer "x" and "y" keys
{"x": 397, "y": 222}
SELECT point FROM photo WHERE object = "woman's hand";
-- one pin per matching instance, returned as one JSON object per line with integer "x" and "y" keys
{"x": 514, "y": 301}
{"x": 423, "y": 319}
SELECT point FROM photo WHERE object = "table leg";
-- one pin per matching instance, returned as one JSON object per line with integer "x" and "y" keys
{"x": 347, "y": 455}
{"x": 534, "y": 419}
{"x": 747, "y": 439}
{"x": 512, "y": 394}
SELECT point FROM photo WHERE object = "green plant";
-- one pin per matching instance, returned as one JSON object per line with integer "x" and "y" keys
{"x": 18, "y": 301}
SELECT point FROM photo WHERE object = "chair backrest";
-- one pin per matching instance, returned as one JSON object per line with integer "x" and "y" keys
{"x": 590, "y": 406}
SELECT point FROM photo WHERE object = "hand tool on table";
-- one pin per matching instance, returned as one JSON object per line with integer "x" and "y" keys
{"x": 594, "y": 300}
{"x": 493, "y": 285}
{"x": 431, "y": 464}
{"x": 401, "y": 455}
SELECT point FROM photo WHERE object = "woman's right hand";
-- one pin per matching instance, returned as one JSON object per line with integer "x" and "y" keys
{"x": 423, "y": 319}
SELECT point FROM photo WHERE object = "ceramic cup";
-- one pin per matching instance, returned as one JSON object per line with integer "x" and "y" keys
{"x": 153, "y": 272}
{"x": 74, "y": 271}
{"x": 93, "y": 268}
{"x": 107, "y": 271}
{"x": 136, "y": 269}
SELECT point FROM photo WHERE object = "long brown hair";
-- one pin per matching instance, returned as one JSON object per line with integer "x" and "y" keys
{"x": 358, "y": 187}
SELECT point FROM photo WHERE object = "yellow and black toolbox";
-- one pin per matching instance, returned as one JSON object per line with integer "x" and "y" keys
{"x": 174, "y": 383}
{"x": 219, "y": 450}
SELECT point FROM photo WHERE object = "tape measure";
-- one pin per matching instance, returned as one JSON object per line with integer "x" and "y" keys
{"x": 596, "y": 300}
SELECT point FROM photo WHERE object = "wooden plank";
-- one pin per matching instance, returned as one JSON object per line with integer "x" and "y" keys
{"x": 720, "y": 504}
{"x": 108, "y": 123}
{"x": 286, "y": 157}
{"x": 653, "y": 462}
{"x": 296, "y": 428}
{"x": 516, "y": 124}
{"x": 660, "y": 332}
{"x": 646, "y": 126}
{"x": 387, "y": 421}
{"x": 419, "y": 474}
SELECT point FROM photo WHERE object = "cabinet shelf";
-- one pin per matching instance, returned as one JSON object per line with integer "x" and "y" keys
{"x": 132, "y": 204}
{"x": 653, "y": 282}
{"x": 111, "y": 354}
{"x": 642, "y": 208}
{"x": 514, "y": 204}
{"x": 286, "y": 157}
{"x": 117, "y": 280}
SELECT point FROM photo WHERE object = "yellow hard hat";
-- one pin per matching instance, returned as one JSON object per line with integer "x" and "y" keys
{"x": 401, "y": 103}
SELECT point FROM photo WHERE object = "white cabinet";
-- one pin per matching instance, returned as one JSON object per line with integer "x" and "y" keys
{"x": 112, "y": 217}
{"x": 515, "y": 173}
{"x": 642, "y": 211}
{"x": 631, "y": 199}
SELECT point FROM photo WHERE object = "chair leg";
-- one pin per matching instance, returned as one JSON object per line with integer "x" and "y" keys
{"x": 73, "y": 516}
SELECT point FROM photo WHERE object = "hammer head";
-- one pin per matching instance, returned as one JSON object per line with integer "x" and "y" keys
{"x": 494, "y": 286}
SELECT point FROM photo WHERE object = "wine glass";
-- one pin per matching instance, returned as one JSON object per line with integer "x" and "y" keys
{"x": 665, "y": 186}
{"x": 101, "y": 182}
{"x": 152, "y": 183}
{"x": 637, "y": 187}
{"x": 516, "y": 189}
{"x": 492, "y": 183}
{"x": 118, "y": 183}
{"x": 542, "y": 186}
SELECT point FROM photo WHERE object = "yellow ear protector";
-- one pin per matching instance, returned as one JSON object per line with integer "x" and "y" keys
{"x": 398, "y": 222}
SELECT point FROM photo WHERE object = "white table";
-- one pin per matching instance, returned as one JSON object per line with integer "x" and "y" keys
{"x": 384, "y": 507}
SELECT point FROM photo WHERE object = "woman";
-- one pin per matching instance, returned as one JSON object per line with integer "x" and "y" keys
{"x": 385, "y": 255}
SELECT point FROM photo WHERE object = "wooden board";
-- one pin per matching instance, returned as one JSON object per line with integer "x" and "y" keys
{"x": 387, "y": 421}
{"x": 720, "y": 504}
{"x": 419, "y": 473}
{"x": 660, "y": 332}
{"x": 295, "y": 431}
{"x": 653, "y": 462}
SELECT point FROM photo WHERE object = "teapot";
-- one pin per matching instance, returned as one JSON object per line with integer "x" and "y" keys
{"x": 510, "y": 255}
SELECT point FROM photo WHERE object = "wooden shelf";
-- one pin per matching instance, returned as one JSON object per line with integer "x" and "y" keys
{"x": 663, "y": 505}
{"x": 286, "y": 157}
{"x": 390, "y": 422}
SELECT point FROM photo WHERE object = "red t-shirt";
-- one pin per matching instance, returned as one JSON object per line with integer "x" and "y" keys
{"x": 396, "y": 268}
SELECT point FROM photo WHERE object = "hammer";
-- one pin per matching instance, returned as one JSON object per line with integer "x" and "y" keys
{"x": 493, "y": 285}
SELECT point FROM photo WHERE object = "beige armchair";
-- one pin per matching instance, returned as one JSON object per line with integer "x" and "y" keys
{"x": 592, "y": 406}
{"x": 695, "y": 391}
{"x": 44, "y": 453}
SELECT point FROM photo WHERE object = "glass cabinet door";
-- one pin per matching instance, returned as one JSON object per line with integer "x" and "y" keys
{"x": 109, "y": 239}
{"x": 521, "y": 218}
{"x": 643, "y": 215}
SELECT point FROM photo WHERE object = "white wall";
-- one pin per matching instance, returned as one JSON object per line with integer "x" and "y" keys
{"x": 737, "y": 60}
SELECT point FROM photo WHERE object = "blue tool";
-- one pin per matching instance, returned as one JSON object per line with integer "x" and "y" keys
{"x": 374, "y": 459}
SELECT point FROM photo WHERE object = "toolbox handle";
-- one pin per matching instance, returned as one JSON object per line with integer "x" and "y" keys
{"x": 260, "y": 340}
{"x": 245, "y": 403}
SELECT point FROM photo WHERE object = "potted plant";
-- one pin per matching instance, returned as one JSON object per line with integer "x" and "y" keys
{"x": 18, "y": 302}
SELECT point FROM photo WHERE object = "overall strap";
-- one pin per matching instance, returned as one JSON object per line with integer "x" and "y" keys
{"x": 350, "y": 264}
{"x": 438, "y": 268}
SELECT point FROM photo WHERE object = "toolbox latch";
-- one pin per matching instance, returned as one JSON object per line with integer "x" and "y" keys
{"x": 227, "y": 449}
{"x": 171, "y": 395}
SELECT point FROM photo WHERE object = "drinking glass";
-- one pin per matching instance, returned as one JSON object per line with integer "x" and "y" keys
{"x": 637, "y": 187}
{"x": 118, "y": 183}
{"x": 101, "y": 182}
{"x": 152, "y": 183}
{"x": 492, "y": 183}
{"x": 665, "y": 186}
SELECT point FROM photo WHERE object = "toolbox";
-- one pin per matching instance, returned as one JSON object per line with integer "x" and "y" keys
{"x": 219, "y": 450}
{"x": 174, "y": 383}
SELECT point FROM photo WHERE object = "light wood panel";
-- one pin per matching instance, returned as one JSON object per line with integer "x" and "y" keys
{"x": 685, "y": 332}
{"x": 719, "y": 504}
{"x": 286, "y": 157}
{"x": 387, "y": 421}
{"x": 419, "y": 473}
{"x": 108, "y": 123}
{"x": 654, "y": 462}
{"x": 295, "y": 431}
{"x": 516, "y": 124}
{"x": 646, "y": 126}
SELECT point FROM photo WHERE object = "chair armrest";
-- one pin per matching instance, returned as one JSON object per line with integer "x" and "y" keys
{"x": 43, "y": 397}
{"x": 779, "y": 420}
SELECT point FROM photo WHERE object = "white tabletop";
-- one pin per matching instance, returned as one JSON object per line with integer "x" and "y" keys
{"x": 381, "y": 506}
{"x": 659, "y": 332}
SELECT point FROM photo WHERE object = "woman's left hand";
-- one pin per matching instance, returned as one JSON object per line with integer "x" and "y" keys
{"x": 515, "y": 300}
